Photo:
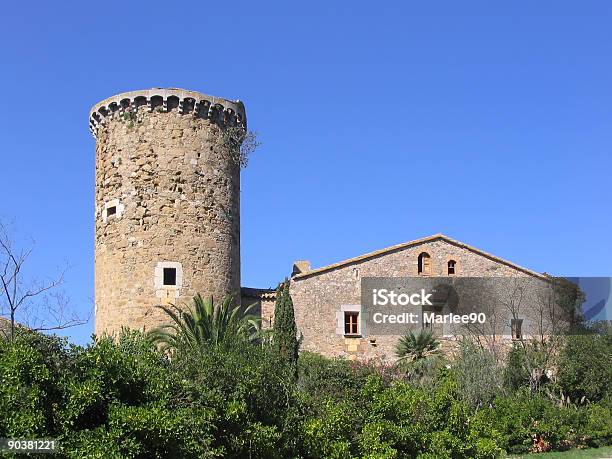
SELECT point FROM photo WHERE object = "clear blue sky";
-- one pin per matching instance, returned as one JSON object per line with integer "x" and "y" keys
{"x": 381, "y": 122}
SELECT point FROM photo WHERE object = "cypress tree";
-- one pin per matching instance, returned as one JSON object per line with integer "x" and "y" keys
{"x": 285, "y": 330}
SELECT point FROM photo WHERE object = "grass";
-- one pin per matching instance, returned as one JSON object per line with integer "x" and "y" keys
{"x": 593, "y": 453}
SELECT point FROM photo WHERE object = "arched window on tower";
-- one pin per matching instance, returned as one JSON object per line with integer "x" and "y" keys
{"x": 452, "y": 267}
{"x": 424, "y": 263}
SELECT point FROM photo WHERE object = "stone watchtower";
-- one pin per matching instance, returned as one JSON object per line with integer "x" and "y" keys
{"x": 167, "y": 203}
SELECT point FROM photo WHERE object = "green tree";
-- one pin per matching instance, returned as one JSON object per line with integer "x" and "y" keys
{"x": 418, "y": 355}
{"x": 515, "y": 372}
{"x": 253, "y": 394}
{"x": 206, "y": 323}
{"x": 584, "y": 367}
{"x": 285, "y": 329}
{"x": 479, "y": 377}
{"x": 115, "y": 398}
{"x": 411, "y": 347}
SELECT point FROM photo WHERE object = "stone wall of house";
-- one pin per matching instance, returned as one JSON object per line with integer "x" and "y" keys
{"x": 318, "y": 298}
{"x": 167, "y": 196}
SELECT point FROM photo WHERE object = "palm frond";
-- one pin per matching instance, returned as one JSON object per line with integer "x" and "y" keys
{"x": 206, "y": 323}
{"x": 416, "y": 347}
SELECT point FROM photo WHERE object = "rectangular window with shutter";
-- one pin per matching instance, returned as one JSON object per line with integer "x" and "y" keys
{"x": 351, "y": 323}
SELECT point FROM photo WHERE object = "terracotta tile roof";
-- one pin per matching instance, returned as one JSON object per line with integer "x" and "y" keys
{"x": 405, "y": 245}
{"x": 258, "y": 293}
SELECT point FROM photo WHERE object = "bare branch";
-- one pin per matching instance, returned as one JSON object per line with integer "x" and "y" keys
{"x": 41, "y": 289}
{"x": 31, "y": 304}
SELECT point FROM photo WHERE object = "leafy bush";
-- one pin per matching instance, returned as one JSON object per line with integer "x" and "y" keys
{"x": 30, "y": 367}
{"x": 479, "y": 377}
{"x": 404, "y": 421}
{"x": 129, "y": 372}
{"x": 124, "y": 398}
{"x": 323, "y": 378}
{"x": 584, "y": 367}
{"x": 148, "y": 431}
{"x": 252, "y": 392}
{"x": 598, "y": 426}
{"x": 534, "y": 423}
{"x": 515, "y": 372}
{"x": 110, "y": 399}
{"x": 330, "y": 432}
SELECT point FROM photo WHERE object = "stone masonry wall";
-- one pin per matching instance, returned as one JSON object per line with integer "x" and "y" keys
{"x": 318, "y": 298}
{"x": 175, "y": 196}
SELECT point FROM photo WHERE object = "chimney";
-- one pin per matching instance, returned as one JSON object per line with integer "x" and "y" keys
{"x": 300, "y": 267}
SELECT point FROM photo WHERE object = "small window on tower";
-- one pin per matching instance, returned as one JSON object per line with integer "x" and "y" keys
{"x": 351, "y": 323}
{"x": 111, "y": 211}
{"x": 169, "y": 276}
{"x": 451, "y": 267}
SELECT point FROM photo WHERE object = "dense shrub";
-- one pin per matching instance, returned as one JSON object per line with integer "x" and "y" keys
{"x": 110, "y": 399}
{"x": 479, "y": 377}
{"x": 31, "y": 367}
{"x": 585, "y": 368}
{"x": 323, "y": 378}
{"x": 331, "y": 432}
{"x": 404, "y": 421}
{"x": 147, "y": 431}
{"x": 253, "y": 394}
{"x": 535, "y": 423}
{"x": 106, "y": 373}
{"x": 395, "y": 419}
{"x": 515, "y": 371}
{"x": 124, "y": 398}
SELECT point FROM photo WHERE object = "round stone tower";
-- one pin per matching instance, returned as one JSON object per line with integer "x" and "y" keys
{"x": 167, "y": 219}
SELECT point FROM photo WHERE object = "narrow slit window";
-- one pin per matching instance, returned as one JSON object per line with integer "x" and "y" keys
{"x": 517, "y": 328}
{"x": 351, "y": 323}
{"x": 169, "y": 276}
{"x": 451, "y": 267}
{"x": 424, "y": 263}
{"x": 427, "y": 325}
{"x": 111, "y": 211}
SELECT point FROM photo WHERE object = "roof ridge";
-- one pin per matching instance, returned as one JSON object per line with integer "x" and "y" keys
{"x": 404, "y": 245}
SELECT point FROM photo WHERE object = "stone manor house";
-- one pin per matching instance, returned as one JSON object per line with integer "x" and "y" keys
{"x": 327, "y": 299}
{"x": 167, "y": 226}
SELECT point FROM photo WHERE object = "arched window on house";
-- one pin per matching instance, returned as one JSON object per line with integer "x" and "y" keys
{"x": 452, "y": 267}
{"x": 424, "y": 263}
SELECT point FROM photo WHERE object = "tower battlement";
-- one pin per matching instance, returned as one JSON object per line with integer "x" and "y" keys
{"x": 216, "y": 109}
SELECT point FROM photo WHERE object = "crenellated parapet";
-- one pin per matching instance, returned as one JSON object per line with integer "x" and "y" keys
{"x": 217, "y": 110}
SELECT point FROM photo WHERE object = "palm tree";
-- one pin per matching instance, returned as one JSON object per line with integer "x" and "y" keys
{"x": 418, "y": 355}
{"x": 413, "y": 347}
{"x": 206, "y": 323}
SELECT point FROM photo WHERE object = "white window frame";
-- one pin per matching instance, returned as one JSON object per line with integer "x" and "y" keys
{"x": 118, "y": 205}
{"x": 340, "y": 320}
{"x": 162, "y": 290}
